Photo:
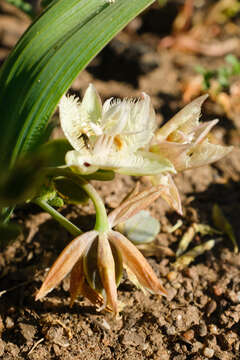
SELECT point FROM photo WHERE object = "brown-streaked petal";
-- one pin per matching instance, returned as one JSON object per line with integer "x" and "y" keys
{"x": 65, "y": 262}
{"x": 124, "y": 205}
{"x": 79, "y": 286}
{"x": 106, "y": 267}
{"x": 169, "y": 191}
{"x": 207, "y": 153}
{"x": 77, "y": 279}
{"x": 133, "y": 205}
{"x": 93, "y": 296}
{"x": 185, "y": 120}
{"x": 137, "y": 263}
{"x": 132, "y": 277}
{"x": 202, "y": 131}
{"x": 135, "y": 191}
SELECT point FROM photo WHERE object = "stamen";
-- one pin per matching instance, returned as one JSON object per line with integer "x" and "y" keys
{"x": 118, "y": 142}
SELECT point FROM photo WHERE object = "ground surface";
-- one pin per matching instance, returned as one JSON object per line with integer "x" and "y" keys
{"x": 200, "y": 318}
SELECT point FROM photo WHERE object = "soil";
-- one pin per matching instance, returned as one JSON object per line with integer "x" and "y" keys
{"x": 201, "y": 316}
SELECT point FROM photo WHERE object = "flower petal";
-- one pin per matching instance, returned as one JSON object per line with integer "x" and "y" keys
{"x": 80, "y": 287}
{"x": 91, "y": 106}
{"x": 106, "y": 267}
{"x": 71, "y": 123}
{"x": 137, "y": 263}
{"x": 116, "y": 215}
{"x": 132, "y": 277}
{"x": 169, "y": 191}
{"x": 207, "y": 153}
{"x": 145, "y": 163}
{"x": 65, "y": 262}
{"x": 76, "y": 280}
{"x": 137, "y": 164}
{"x": 133, "y": 205}
{"x": 141, "y": 124}
{"x": 173, "y": 151}
{"x": 202, "y": 131}
{"x": 185, "y": 120}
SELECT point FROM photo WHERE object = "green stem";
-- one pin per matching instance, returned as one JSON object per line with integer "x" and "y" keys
{"x": 101, "y": 223}
{"x": 73, "y": 229}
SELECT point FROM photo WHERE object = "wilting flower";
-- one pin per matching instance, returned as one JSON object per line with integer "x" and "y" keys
{"x": 186, "y": 143}
{"x": 115, "y": 135}
{"x": 95, "y": 259}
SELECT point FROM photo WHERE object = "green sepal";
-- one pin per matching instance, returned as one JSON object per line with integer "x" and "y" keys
{"x": 49, "y": 194}
{"x": 56, "y": 202}
{"x": 102, "y": 175}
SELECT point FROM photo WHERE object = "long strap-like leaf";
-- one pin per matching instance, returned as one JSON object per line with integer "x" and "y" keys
{"x": 47, "y": 59}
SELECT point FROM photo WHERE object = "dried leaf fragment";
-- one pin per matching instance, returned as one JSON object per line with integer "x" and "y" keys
{"x": 187, "y": 258}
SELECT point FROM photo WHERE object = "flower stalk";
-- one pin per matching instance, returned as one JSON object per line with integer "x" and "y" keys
{"x": 68, "y": 225}
{"x": 101, "y": 223}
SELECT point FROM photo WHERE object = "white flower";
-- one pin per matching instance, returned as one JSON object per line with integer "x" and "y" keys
{"x": 185, "y": 142}
{"x": 113, "y": 136}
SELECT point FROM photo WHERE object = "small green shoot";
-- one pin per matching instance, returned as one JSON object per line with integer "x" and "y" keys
{"x": 222, "y": 75}
{"x": 221, "y": 223}
{"x": 24, "y": 6}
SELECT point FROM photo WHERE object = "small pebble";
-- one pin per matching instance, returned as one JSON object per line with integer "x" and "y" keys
{"x": 213, "y": 329}
{"x": 189, "y": 335}
{"x": 208, "y": 352}
{"x": 172, "y": 275}
{"x": 202, "y": 329}
{"x": 211, "y": 307}
{"x": 2, "y": 346}
{"x": 1, "y": 325}
{"x": 9, "y": 323}
{"x": 171, "y": 330}
{"x": 217, "y": 290}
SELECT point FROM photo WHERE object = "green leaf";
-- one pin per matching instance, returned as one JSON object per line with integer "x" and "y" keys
{"x": 70, "y": 191}
{"x": 59, "y": 44}
{"x": 55, "y": 151}
{"x": 21, "y": 183}
{"x": 8, "y": 232}
{"x": 45, "y": 3}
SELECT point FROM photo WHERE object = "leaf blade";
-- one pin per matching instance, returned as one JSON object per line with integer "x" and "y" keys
{"x": 47, "y": 59}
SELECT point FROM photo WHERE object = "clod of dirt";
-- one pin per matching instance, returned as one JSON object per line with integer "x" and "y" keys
{"x": 28, "y": 331}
